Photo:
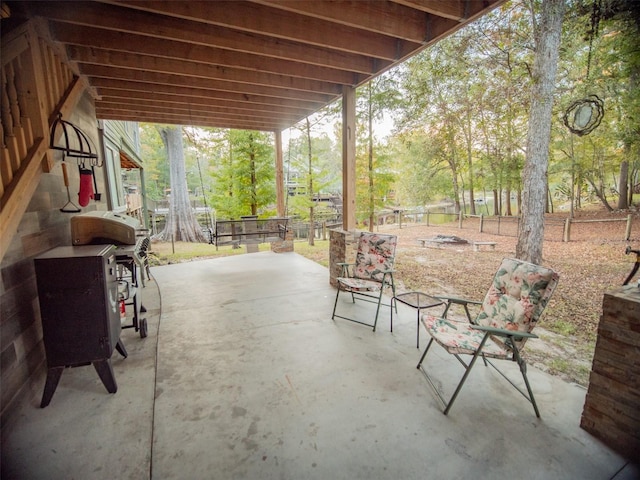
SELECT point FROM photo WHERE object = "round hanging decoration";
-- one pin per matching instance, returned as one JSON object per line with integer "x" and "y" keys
{"x": 583, "y": 116}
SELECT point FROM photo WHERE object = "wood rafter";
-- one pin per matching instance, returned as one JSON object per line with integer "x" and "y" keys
{"x": 254, "y": 64}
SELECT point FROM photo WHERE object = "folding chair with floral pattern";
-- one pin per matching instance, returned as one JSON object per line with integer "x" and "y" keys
{"x": 510, "y": 310}
{"x": 371, "y": 273}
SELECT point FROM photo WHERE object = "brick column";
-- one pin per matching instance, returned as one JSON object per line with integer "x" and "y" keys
{"x": 341, "y": 249}
{"x": 612, "y": 404}
{"x": 286, "y": 245}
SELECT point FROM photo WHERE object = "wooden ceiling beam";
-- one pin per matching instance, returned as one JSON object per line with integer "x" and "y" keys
{"x": 204, "y": 122}
{"x": 98, "y": 56}
{"x": 193, "y": 118}
{"x": 260, "y": 19}
{"x": 132, "y": 43}
{"x": 218, "y": 64}
{"x": 154, "y": 78}
{"x": 194, "y": 111}
{"x": 258, "y": 64}
{"x": 383, "y": 17}
{"x": 122, "y": 19}
{"x": 453, "y": 9}
{"x": 133, "y": 98}
{"x": 198, "y": 93}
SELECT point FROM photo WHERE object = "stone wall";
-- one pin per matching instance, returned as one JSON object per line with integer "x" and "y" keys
{"x": 612, "y": 405}
{"x": 341, "y": 249}
{"x": 286, "y": 245}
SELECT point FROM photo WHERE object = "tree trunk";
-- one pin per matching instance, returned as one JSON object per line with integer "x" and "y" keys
{"x": 519, "y": 201}
{"x": 370, "y": 154}
{"x": 181, "y": 224}
{"x": 469, "y": 141}
{"x": 631, "y": 184}
{"x": 534, "y": 174}
{"x": 253, "y": 176}
{"x": 312, "y": 219}
{"x": 623, "y": 182}
{"x": 599, "y": 189}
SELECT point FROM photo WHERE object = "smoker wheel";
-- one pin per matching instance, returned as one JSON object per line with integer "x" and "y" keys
{"x": 143, "y": 328}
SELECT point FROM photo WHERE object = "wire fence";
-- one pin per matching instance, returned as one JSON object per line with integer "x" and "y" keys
{"x": 556, "y": 228}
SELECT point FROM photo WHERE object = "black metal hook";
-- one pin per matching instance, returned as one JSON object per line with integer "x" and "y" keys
{"x": 76, "y": 143}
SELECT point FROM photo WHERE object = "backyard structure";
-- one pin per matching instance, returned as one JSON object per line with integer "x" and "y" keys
{"x": 243, "y": 388}
{"x": 86, "y": 63}
{"x": 246, "y": 65}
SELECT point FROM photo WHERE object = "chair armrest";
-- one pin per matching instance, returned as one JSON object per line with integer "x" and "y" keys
{"x": 504, "y": 333}
{"x": 345, "y": 268}
{"x": 458, "y": 300}
{"x": 344, "y": 264}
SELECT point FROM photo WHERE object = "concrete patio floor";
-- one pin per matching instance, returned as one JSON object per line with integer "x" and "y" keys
{"x": 244, "y": 375}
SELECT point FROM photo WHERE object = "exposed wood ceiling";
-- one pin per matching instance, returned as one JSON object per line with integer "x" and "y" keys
{"x": 260, "y": 64}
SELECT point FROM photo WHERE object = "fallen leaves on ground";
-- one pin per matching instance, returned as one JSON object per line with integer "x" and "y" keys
{"x": 587, "y": 268}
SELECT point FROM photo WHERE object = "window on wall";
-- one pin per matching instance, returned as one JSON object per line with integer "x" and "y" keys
{"x": 117, "y": 200}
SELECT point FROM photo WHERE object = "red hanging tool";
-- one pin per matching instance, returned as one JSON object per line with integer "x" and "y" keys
{"x": 86, "y": 186}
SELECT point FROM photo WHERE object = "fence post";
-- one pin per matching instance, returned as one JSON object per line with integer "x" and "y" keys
{"x": 499, "y": 217}
{"x": 481, "y": 222}
{"x": 627, "y": 234}
{"x": 566, "y": 237}
{"x": 428, "y": 218}
{"x": 460, "y": 220}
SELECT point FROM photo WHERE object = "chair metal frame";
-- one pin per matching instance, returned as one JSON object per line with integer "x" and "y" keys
{"x": 509, "y": 339}
{"x": 386, "y": 281}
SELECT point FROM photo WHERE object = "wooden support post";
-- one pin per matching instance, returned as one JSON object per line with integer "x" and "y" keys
{"x": 627, "y": 234}
{"x": 280, "y": 193}
{"x": 481, "y": 222}
{"x": 349, "y": 158}
{"x": 566, "y": 236}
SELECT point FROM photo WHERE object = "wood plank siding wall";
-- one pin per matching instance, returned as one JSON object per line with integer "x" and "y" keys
{"x": 32, "y": 193}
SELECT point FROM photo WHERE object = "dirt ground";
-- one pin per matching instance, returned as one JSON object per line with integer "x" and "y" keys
{"x": 591, "y": 263}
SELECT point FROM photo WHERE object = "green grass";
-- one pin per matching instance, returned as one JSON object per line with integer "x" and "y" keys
{"x": 562, "y": 328}
{"x": 319, "y": 253}
{"x": 559, "y": 365}
{"x": 570, "y": 369}
{"x": 167, "y": 253}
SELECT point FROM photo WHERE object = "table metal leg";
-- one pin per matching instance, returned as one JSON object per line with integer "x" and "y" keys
{"x": 391, "y": 307}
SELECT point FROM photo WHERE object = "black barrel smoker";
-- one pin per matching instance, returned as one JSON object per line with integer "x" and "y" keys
{"x": 78, "y": 292}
